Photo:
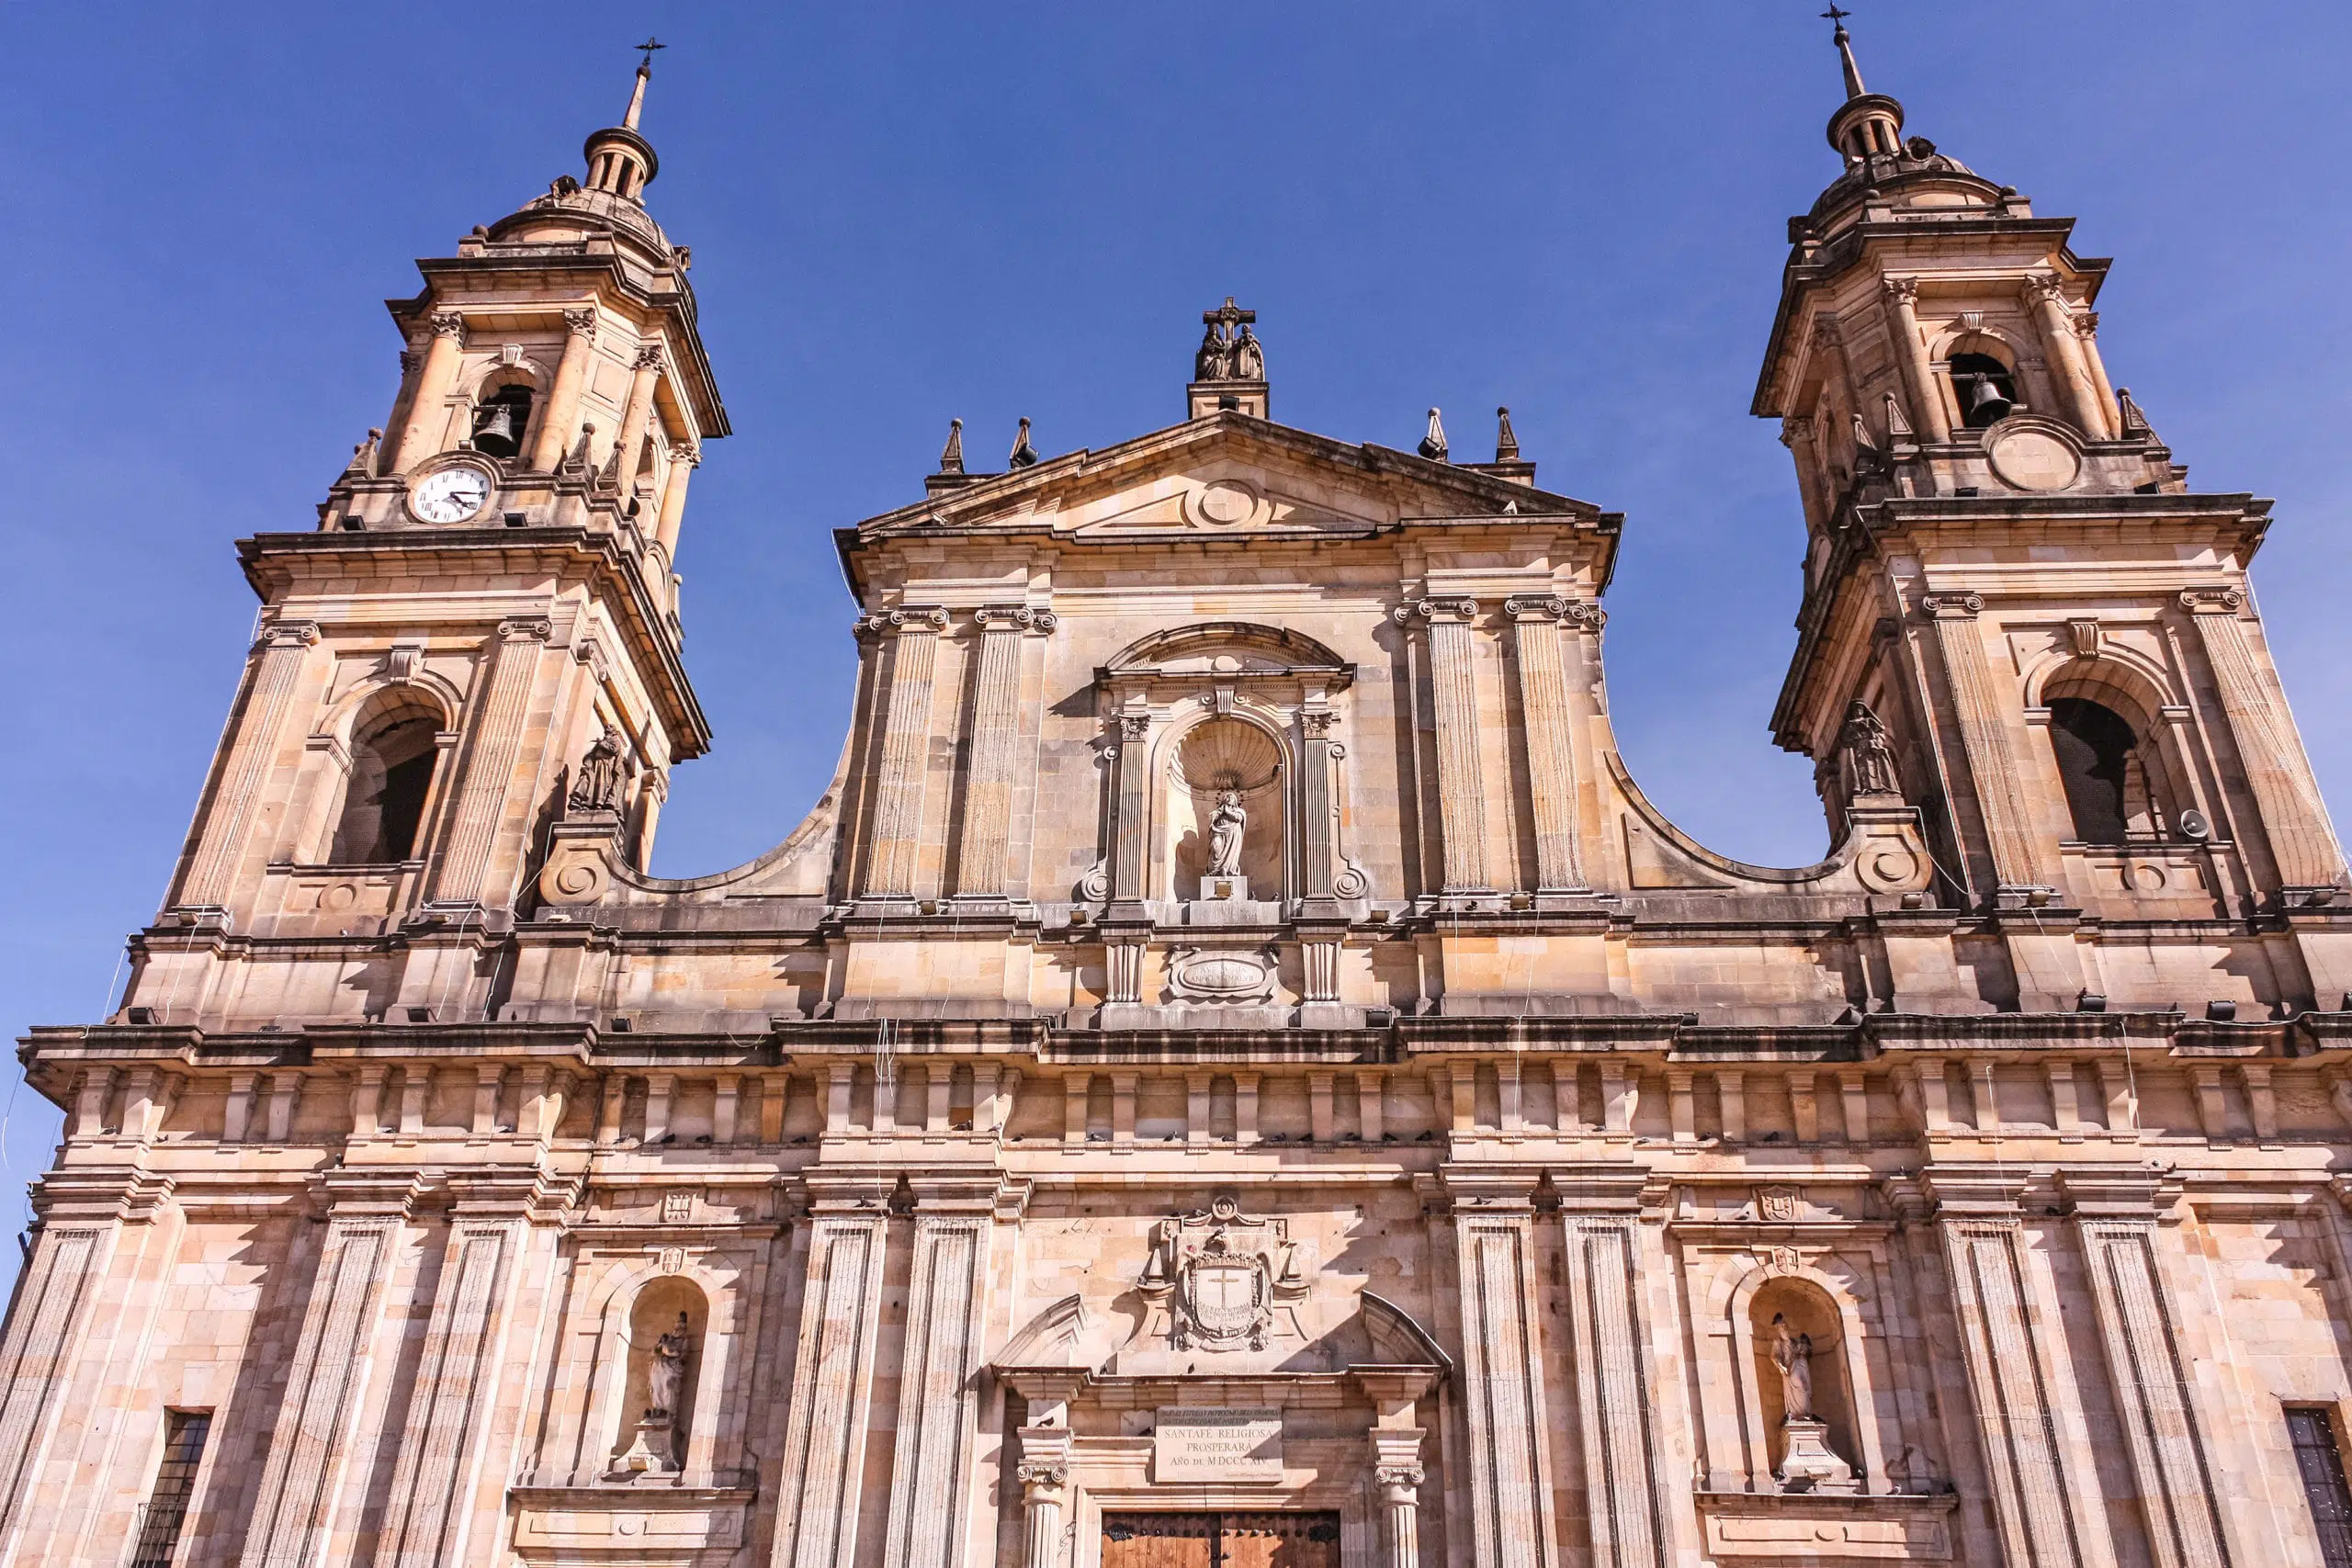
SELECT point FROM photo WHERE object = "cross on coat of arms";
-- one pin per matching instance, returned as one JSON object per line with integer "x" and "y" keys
{"x": 1222, "y": 1274}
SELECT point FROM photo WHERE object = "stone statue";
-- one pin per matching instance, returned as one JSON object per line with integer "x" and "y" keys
{"x": 665, "y": 1371}
{"x": 597, "y": 786}
{"x": 1792, "y": 1354}
{"x": 1868, "y": 755}
{"x": 1227, "y": 825}
{"x": 1248, "y": 357}
{"x": 1210, "y": 362}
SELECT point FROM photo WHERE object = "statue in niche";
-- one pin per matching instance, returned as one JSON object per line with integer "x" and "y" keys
{"x": 1869, "y": 756}
{"x": 665, "y": 1371}
{"x": 1792, "y": 1354}
{"x": 598, "y": 786}
{"x": 1226, "y": 824}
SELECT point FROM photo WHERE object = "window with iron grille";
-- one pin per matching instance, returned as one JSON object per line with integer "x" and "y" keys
{"x": 2320, "y": 1464}
{"x": 159, "y": 1535}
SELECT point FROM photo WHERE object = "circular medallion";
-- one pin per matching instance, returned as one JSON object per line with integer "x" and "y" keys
{"x": 1225, "y": 502}
{"x": 2034, "y": 460}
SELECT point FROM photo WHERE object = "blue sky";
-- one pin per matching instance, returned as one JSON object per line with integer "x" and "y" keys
{"x": 904, "y": 213}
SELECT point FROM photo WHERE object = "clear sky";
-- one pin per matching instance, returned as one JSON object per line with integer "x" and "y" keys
{"x": 903, "y": 213}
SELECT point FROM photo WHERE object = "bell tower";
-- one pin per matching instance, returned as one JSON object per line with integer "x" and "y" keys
{"x": 481, "y": 635}
{"x": 2005, "y": 568}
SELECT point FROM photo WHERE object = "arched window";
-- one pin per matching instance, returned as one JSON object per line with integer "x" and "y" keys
{"x": 1985, "y": 389}
{"x": 2095, "y": 746}
{"x": 501, "y": 419}
{"x": 383, "y": 804}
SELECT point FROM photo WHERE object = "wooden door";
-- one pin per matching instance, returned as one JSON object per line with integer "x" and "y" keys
{"x": 1160, "y": 1540}
{"x": 1278, "y": 1541}
{"x": 1221, "y": 1541}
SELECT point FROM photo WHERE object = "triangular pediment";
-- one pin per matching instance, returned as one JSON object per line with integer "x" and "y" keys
{"x": 1225, "y": 475}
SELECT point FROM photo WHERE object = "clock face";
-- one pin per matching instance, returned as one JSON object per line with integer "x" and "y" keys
{"x": 450, "y": 496}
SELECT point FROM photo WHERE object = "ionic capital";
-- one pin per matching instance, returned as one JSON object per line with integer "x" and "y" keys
{"x": 1951, "y": 607}
{"x": 1015, "y": 618}
{"x": 525, "y": 628}
{"x": 288, "y": 634}
{"x": 2211, "y": 601}
{"x": 1437, "y": 609}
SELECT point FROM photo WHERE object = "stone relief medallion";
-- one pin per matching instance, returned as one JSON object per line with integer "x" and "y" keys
{"x": 1222, "y": 975}
{"x": 1222, "y": 504}
{"x": 2033, "y": 459}
{"x": 1223, "y": 1277}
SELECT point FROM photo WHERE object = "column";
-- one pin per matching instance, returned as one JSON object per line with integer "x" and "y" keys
{"x": 894, "y": 858}
{"x": 2011, "y": 837}
{"x": 1397, "y": 1471}
{"x": 1551, "y": 753}
{"x": 1462, "y": 794}
{"x": 221, "y": 839}
{"x": 832, "y": 1387}
{"x": 1911, "y": 354}
{"x": 428, "y": 412}
{"x": 2047, "y": 296}
{"x": 448, "y": 1424}
{"x": 2270, "y": 754}
{"x": 562, "y": 413}
{"x": 1613, "y": 1393}
{"x": 639, "y": 410}
{"x": 1318, "y": 821}
{"x": 939, "y": 1374}
{"x": 995, "y": 734}
{"x": 2144, "y": 1363}
{"x": 326, "y": 1385}
{"x": 2086, "y": 328}
{"x": 1131, "y": 807}
{"x": 684, "y": 458}
{"x": 1509, "y": 1486}
{"x": 2007, "y": 1384}
{"x": 487, "y": 763}
{"x": 1044, "y": 1475}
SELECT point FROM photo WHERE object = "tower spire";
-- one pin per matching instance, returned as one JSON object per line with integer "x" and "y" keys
{"x": 1845, "y": 42}
{"x": 645, "y": 75}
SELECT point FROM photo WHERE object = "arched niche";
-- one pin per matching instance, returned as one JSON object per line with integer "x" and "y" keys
{"x": 651, "y": 1437}
{"x": 1224, "y": 765}
{"x": 1794, "y": 1312}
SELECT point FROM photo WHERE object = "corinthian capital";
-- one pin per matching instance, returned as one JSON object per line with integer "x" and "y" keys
{"x": 581, "y": 324}
{"x": 650, "y": 357}
{"x": 1901, "y": 292}
{"x": 449, "y": 323}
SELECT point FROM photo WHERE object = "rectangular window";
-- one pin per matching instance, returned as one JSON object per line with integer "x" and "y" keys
{"x": 2321, "y": 1464}
{"x": 159, "y": 1533}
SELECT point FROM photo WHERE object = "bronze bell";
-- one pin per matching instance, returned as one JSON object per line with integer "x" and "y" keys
{"x": 1986, "y": 403}
{"x": 495, "y": 433}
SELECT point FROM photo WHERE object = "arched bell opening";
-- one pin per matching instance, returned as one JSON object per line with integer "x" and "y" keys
{"x": 394, "y": 750}
{"x": 1227, "y": 813}
{"x": 2116, "y": 763}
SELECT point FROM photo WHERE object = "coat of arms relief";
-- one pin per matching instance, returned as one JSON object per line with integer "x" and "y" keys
{"x": 1225, "y": 1280}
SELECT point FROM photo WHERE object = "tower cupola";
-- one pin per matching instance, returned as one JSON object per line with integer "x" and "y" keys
{"x": 620, "y": 161}
{"x": 1867, "y": 124}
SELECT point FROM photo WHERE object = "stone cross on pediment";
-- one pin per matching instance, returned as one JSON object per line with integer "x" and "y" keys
{"x": 1229, "y": 351}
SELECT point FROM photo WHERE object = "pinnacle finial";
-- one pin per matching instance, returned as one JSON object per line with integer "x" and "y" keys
{"x": 1845, "y": 42}
{"x": 1506, "y": 438}
{"x": 950, "y": 457}
{"x": 1024, "y": 455}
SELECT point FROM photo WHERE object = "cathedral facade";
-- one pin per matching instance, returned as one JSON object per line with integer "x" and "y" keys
{"x": 1233, "y": 1070}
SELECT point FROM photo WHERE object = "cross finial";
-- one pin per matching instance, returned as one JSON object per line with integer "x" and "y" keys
{"x": 648, "y": 46}
{"x": 1837, "y": 16}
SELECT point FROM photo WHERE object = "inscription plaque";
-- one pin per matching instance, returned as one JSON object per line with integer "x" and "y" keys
{"x": 1195, "y": 1442}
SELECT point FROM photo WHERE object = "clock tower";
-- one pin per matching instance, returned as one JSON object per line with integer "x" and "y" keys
{"x": 488, "y": 601}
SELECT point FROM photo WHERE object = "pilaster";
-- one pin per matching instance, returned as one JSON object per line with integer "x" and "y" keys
{"x": 227, "y": 824}
{"x": 1509, "y": 1481}
{"x": 1461, "y": 796}
{"x": 893, "y": 863}
{"x": 2009, "y": 832}
{"x": 995, "y": 732}
{"x": 1536, "y": 629}
{"x": 485, "y": 789}
{"x": 2271, "y": 754}
{"x": 833, "y": 1383}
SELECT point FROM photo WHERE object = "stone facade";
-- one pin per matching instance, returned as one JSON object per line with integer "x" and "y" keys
{"x": 1233, "y": 1063}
